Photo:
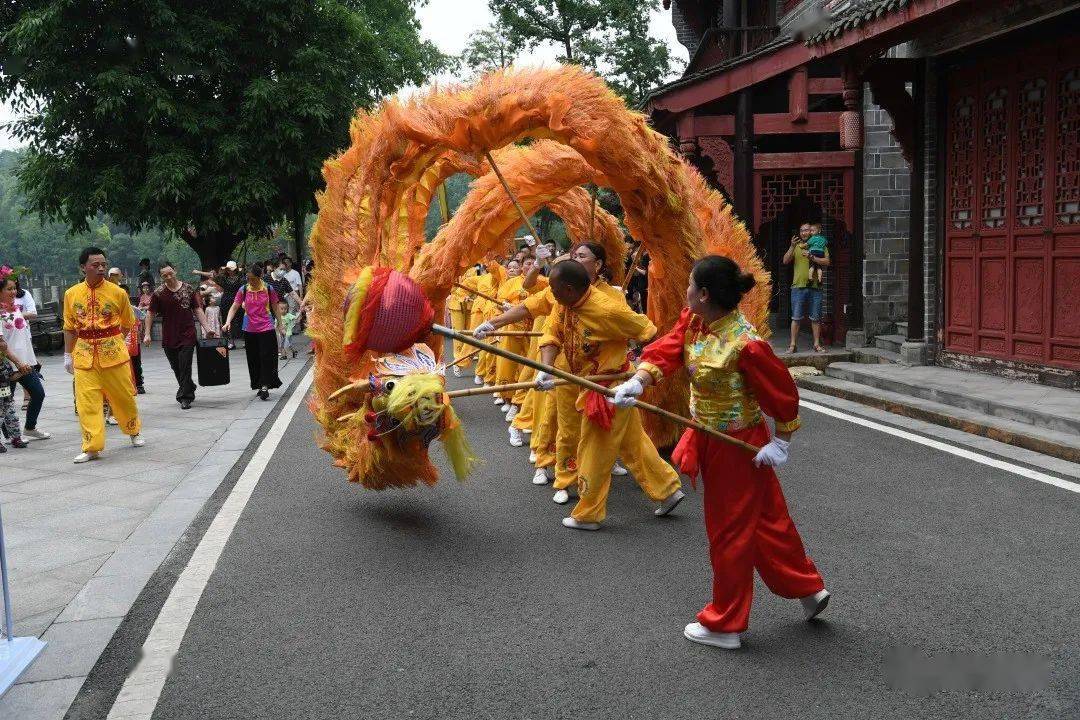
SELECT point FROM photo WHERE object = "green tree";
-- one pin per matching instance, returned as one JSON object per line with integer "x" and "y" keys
{"x": 489, "y": 49}
{"x": 208, "y": 119}
{"x": 608, "y": 36}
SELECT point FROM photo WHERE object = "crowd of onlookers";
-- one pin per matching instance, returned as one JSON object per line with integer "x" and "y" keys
{"x": 256, "y": 306}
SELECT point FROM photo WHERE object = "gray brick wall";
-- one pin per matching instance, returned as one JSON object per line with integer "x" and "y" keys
{"x": 931, "y": 247}
{"x": 886, "y": 204}
{"x": 683, "y": 32}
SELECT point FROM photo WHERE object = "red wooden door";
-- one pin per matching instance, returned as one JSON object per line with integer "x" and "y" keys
{"x": 1012, "y": 215}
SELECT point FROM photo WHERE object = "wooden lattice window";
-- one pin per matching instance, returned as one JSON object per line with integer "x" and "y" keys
{"x": 995, "y": 158}
{"x": 1031, "y": 153}
{"x": 1067, "y": 161}
{"x": 962, "y": 163}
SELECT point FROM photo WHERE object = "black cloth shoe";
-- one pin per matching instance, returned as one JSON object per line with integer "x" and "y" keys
{"x": 140, "y": 390}
{"x": 185, "y": 404}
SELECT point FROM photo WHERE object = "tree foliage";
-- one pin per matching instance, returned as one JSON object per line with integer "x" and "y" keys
{"x": 608, "y": 36}
{"x": 209, "y": 119}
{"x": 489, "y": 49}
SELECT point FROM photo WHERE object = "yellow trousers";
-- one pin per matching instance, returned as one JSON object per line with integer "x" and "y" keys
{"x": 567, "y": 434}
{"x": 92, "y": 388}
{"x": 506, "y": 371}
{"x": 545, "y": 424}
{"x": 459, "y": 319}
{"x": 524, "y": 419}
{"x": 597, "y": 450}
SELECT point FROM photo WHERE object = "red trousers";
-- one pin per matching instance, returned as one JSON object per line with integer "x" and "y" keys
{"x": 748, "y": 525}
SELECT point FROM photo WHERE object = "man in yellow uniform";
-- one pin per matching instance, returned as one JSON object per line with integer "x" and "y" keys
{"x": 592, "y": 330}
{"x": 97, "y": 317}
{"x": 459, "y": 303}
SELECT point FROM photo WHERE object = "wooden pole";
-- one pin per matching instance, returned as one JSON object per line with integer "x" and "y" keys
{"x": 509, "y": 333}
{"x": 469, "y": 392}
{"x": 510, "y": 193}
{"x": 587, "y": 384}
{"x": 463, "y": 358}
{"x": 478, "y": 293}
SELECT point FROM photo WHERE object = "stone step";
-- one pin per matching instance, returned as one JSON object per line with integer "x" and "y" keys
{"x": 875, "y": 356}
{"x": 1055, "y": 443}
{"x": 890, "y": 342}
{"x": 999, "y": 408}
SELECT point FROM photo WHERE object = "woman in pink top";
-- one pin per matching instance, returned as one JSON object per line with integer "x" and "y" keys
{"x": 260, "y": 305}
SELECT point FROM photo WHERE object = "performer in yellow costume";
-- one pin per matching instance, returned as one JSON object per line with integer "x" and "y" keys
{"x": 592, "y": 331}
{"x": 560, "y": 416}
{"x": 527, "y": 405}
{"x": 459, "y": 304}
{"x": 488, "y": 284}
{"x": 97, "y": 316}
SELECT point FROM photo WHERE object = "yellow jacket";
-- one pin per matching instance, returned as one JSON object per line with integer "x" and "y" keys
{"x": 101, "y": 318}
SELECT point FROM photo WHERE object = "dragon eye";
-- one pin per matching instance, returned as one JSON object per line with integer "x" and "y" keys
{"x": 389, "y": 386}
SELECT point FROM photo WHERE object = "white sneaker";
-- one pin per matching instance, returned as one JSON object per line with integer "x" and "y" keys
{"x": 137, "y": 441}
{"x": 532, "y": 456}
{"x": 498, "y": 400}
{"x": 540, "y": 477}
{"x": 477, "y": 380}
{"x": 618, "y": 470}
{"x": 457, "y": 371}
{"x": 668, "y": 505}
{"x": 698, "y": 633}
{"x": 516, "y": 438}
{"x": 110, "y": 420}
{"x": 578, "y": 525}
{"x": 85, "y": 457}
{"x": 561, "y": 497}
{"x": 35, "y": 435}
{"x": 527, "y": 431}
{"x": 814, "y": 605}
{"x": 512, "y": 413}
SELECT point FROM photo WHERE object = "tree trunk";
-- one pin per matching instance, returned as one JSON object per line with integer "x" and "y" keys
{"x": 298, "y": 217}
{"x": 214, "y": 248}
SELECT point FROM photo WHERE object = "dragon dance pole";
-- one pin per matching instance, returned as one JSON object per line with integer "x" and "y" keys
{"x": 470, "y": 392}
{"x": 588, "y": 384}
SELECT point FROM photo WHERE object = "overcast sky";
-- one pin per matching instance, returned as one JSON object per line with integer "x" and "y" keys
{"x": 448, "y": 23}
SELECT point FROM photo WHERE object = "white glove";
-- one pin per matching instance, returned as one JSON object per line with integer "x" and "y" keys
{"x": 529, "y": 240}
{"x": 544, "y": 381}
{"x": 774, "y": 454}
{"x": 483, "y": 330}
{"x": 69, "y": 364}
{"x": 626, "y": 394}
{"x": 543, "y": 252}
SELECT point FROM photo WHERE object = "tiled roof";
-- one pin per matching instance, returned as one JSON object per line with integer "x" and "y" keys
{"x": 858, "y": 13}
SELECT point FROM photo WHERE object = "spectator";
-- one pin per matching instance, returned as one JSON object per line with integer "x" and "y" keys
{"x": 211, "y": 297}
{"x": 260, "y": 339}
{"x": 9, "y": 419}
{"x": 292, "y": 275}
{"x": 116, "y": 277}
{"x": 637, "y": 286}
{"x": 145, "y": 276}
{"x": 231, "y": 281}
{"x": 805, "y": 291}
{"x": 288, "y": 319}
{"x": 25, "y": 302}
{"x": 178, "y": 305}
{"x": 18, "y": 340}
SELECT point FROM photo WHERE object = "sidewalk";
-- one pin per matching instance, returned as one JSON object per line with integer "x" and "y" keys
{"x": 1036, "y": 417}
{"x": 83, "y": 540}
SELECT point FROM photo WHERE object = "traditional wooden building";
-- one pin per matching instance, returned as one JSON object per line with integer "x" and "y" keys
{"x": 938, "y": 142}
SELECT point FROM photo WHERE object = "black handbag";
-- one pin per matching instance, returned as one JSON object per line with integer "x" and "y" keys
{"x": 212, "y": 359}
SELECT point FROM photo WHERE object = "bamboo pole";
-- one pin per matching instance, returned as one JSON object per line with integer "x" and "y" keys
{"x": 469, "y": 392}
{"x": 588, "y": 384}
{"x": 463, "y": 358}
{"x": 508, "y": 333}
{"x": 510, "y": 193}
{"x": 479, "y": 294}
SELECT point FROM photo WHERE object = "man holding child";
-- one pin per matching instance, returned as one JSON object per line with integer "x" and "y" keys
{"x": 810, "y": 254}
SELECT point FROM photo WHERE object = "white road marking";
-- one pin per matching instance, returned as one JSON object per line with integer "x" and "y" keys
{"x": 141, "y": 691}
{"x": 944, "y": 447}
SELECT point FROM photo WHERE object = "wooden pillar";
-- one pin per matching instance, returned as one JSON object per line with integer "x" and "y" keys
{"x": 744, "y": 158}
{"x": 916, "y": 303}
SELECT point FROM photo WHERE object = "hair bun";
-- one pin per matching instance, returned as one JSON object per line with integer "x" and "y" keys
{"x": 747, "y": 282}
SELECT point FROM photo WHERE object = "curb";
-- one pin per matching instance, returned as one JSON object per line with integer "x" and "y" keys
{"x": 1016, "y": 439}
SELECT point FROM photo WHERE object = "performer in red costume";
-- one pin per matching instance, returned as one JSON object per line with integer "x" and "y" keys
{"x": 735, "y": 379}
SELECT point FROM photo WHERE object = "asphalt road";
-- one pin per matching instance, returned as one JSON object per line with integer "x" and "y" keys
{"x": 472, "y": 601}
